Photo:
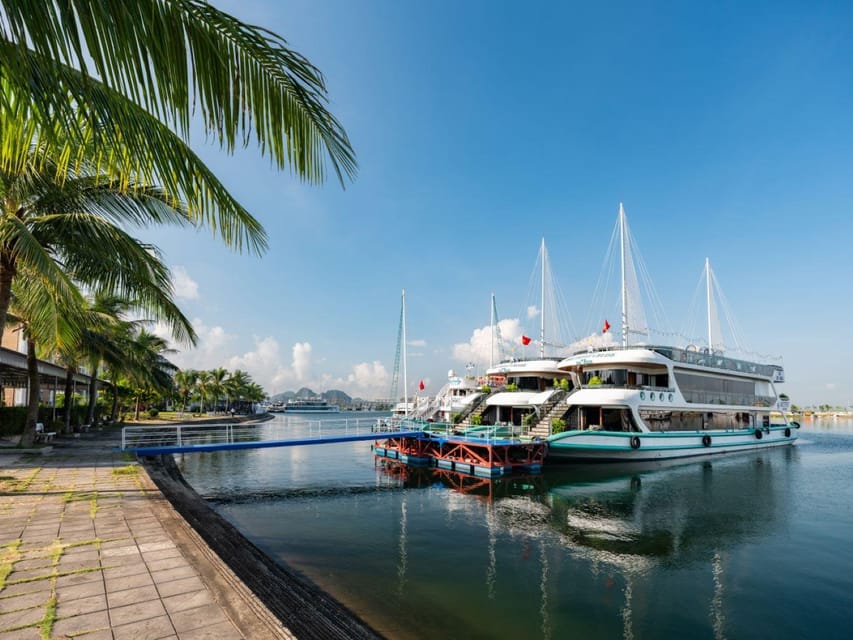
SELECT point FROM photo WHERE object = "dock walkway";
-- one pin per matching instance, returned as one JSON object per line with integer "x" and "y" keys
{"x": 90, "y": 548}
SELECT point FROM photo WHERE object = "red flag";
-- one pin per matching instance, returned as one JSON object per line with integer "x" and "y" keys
{"x": 525, "y": 340}
{"x": 606, "y": 327}
{"x": 421, "y": 385}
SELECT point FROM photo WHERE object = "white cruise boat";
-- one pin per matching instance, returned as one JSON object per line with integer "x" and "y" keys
{"x": 645, "y": 402}
{"x": 310, "y": 405}
{"x": 654, "y": 402}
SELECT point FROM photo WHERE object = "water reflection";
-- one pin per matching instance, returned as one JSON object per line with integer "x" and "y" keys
{"x": 677, "y": 549}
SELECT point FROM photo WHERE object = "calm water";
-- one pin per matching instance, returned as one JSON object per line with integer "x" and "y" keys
{"x": 753, "y": 545}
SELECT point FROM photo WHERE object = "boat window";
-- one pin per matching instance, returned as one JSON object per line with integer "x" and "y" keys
{"x": 626, "y": 378}
{"x": 596, "y": 418}
{"x": 696, "y": 420}
{"x": 720, "y": 390}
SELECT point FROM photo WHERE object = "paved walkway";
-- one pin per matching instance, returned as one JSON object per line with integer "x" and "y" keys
{"x": 90, "y": 548}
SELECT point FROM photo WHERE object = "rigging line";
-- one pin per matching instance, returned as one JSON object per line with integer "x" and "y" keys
{"x": 734, "y": 328}
{"x": 601, "y": 292}
{"x": 657, "y": 307}
{"x": 690, "y": 327}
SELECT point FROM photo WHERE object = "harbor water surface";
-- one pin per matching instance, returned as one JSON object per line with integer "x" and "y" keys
{"x": 751, "y": 545}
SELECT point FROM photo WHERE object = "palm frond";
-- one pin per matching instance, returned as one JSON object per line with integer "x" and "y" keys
{"x": 171, "y": 55}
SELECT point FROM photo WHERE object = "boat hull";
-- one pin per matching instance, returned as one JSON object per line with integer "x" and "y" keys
{"x": 604, "y": 446}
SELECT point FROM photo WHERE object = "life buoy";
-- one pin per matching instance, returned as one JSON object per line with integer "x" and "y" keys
{"x": 787, "y": 432}
{"x": 635, "y": 442}
{"x": 706, "y": 441}
{"x": 758, "y": 434}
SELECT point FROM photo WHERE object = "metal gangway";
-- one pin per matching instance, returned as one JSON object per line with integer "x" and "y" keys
{"x": 150, "y": 440}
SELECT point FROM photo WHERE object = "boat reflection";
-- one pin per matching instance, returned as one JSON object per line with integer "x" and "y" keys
{"x": 631, "y": 515}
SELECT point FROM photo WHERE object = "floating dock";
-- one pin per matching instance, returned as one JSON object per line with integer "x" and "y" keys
{"x": 488, "y": 458}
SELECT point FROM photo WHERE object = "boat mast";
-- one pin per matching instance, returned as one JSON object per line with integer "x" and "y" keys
{"x": 624, "y": 285}
{"x": 542, "y": 311}
{"x": 405, "y": 360}
{"x": 708, "y": 300}
{"x": 492, "y": 332}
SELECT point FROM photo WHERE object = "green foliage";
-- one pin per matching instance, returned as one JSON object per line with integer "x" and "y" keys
{"x": 511, "y": 387}
{"x": 558, "y": 425}
{"x": 594, "y": 380}
{"x": 529, "y": 419}
{"x": 456, "y": 418}
{"x": 564, "y": 384}
{"x": 153, "y": 412}
{"x": 476, "y": 420}
{"x": 486, "y": 388}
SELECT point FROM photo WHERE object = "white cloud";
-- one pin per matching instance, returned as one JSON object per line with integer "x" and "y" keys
{"x": 532, "y": 312}
{"x": 479, "y": 348}
{"x": 185, "y": 287}
{"x": 417, "y": 343}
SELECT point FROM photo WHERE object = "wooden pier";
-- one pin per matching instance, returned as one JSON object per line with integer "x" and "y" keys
{"x": 488, "y": 458}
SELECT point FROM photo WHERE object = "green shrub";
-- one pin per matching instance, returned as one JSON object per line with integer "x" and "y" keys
{"x": 153, "y": 412}
{"x": 512, "y": 387}
{"x": 558, "y": 425}
{"x": 564, "y": 384}
{"x": 477, "y": 420}
{"x": 486, "y": 388}
{"x": 594, "y": 380}
{"x": 456, "y": 418}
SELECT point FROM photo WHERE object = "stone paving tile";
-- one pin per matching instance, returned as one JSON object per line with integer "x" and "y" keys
{"x": 177, "y": 573}
{"x": 21, "y": 634}
{"x": 121, "y": 570}
{"x": 34, "y": 599}
{"x": 150, "y": 629}
{"x": 104, "y": 634}
{"x": 34, "y": 563}
{"x": 78, "y": 578}
{"x": 186, "y": 601}
{"x": 81, "y": 605}
{"x": 69, "y": 593}
{"x": 131, "y": 596}
{"x": 24, "y": 588}
{"x": 30, "y": 574}
{"x": 220, "y": 631}
{"x": 136, "y": 612}
{"x": 167, "y": 563}
{"x": 186, "y": 585}
{"x": 203, "y": 616}
{"x": 20, "y": 618}
{"x": 162, "y": 554}
{"x": 120, "y": 583}
{"x": 79, "y": 624}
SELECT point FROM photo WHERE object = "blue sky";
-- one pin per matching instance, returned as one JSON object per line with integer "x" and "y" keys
{"x": 481, "y": 127}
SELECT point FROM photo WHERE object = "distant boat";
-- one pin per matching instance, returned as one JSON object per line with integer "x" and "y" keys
{"x": 310, "y": 405}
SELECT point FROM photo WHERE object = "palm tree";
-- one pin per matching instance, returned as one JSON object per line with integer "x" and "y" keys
{"x": 106, "y": 60}
{"x": 51, "y": 226}
{"x": 184, "y": 384}
{"x": 147, "y": 366}
{"x": 217, "y": 385}
{"x": 202, "y": 386}
{"x": 48, "y": 312}
{"x": 236, "y": 386}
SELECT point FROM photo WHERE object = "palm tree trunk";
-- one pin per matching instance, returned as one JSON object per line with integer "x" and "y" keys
{"x": 69, "y": 392}
{"x": 114, "y": 414}
{"x": 136, "y": 413}
{"x": 28, "y": 437}
{"x": 93, "y": 392}
{"x": 7, "y": 274}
